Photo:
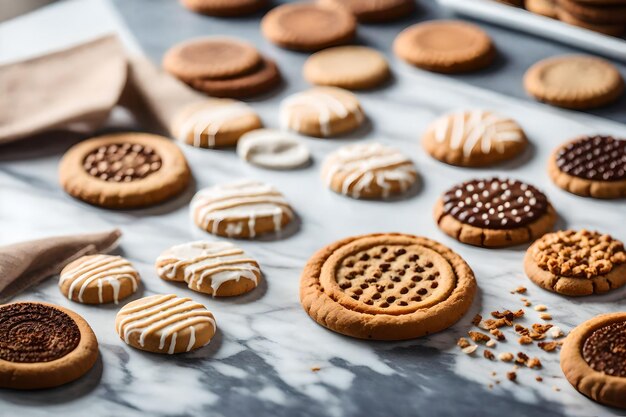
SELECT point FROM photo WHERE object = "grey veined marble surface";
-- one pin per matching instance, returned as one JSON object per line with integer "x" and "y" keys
{"x": 259, "y": 363}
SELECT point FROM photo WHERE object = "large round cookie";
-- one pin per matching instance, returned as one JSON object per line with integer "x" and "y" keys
{"x": 386, "y": 287}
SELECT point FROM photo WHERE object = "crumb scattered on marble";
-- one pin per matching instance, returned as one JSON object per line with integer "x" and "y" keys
{"x": 491, "y": 343}
{"x": 506, "y": 356}
{"x": 548, "y": 346}
{"x": 478, "y": 337}
{"x": 545, "y": 316}
{"x": 538, "y": 379}
{"x": 498, "y": 334}
{"x": 556, "y": 332}
{"x": 512, "y": 376}
{"x": 489, "y": 354}
{"x": 534, "y": 363}
{"x": 520, "y": 290}
{"x": 463, "y": 343}
{"x": 315, "y": 368}
{"x": 540, "y": 307}
{"x": 470, "y": 349}
{"x": 525, "y": 340}
{"x": 477, "y": 319}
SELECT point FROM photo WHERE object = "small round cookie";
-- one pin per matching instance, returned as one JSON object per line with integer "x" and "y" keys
{"x": 224, "y": 8}
{"x": 595, "y": 14}
{"x": 386, "y": 287}
{"x": 574, "y": 81}
{"x": 593, "y": 359}
{"x": 165, "y": 324}
{"x": 494, "y": 212}
{"x": 368, "y": 170}
{"x": 576, "y": 263}
{"x": 124, "y": 170}
{"x": 214, "y": 123}
{"x": 242, "y": 209}
{"x": 474, "y": 138}
{"x": 610, "y": 29}
{"x": 374, "y": 11}
{"x": 217, "y": 268}
{"x": 273, "y": 149}
{"x": 99, "y": 279}
{"x": 216, "y": 57}
{"x": 542, "y": 7}
{"x": 591, "y": 166}
{"x": 321, "y": 112}
{"x": 446, "y": 46}
{"x": 308, "y": 26}
{"x": 43, "y": 346}
{"x": 351, "y": 67}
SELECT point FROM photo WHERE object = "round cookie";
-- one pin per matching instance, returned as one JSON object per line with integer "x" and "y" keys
{"x": 43, "y": 346}
{"x": 214, "y": 123}
{"x": 308, "y": 26}
{"x": 446, "y": 46}
{"x": 321, "y": 112}
{"x": 225, "y": 8}
{"x": 542, "y": 7}
{"x": 216, "y": 57}
{"x": 217, "y": 268}
{"x": 474, "y": 138}
{"x": 576, "y": 262}
{"x": 273, "y": 149}
{"x": 610, "y": 29}
{"x": 165, "y": 324}
{"x": 591, "y": 166}
{"x": 99, "y": 279}
{"x": 124, "y": 170}
{"x": 574, "y": 81}
{"x": 593, "y": 359}
{"x": 386, "y": 287}
{"x": 350, "y": 67}
{"x": 594, "y": 14}
{"x": 242, "y": 209}
{"x": 369, "y": 170}
{"x": 494, "y": 212}
{"x": 374, "y": 11}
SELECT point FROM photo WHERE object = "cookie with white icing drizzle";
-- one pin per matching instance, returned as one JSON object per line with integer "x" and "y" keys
{"x": 321, "y": 112}
{"x": 242, "y": 209}
{"x": 99, "y": 279}
{"x": 272, "y": 149}
{"x": 165, "y": 324}
{"x": 217, "y": 268}
{"x": 214, "y": 123}
{"x": 474, "y": 138}
{"x": 369, "y": 170}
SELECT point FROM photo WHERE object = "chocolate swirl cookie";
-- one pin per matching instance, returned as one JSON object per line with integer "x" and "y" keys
{"x": 494, "y": 212}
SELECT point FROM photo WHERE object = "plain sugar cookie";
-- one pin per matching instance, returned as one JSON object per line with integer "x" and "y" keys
{"x": 273, "y": 149}
{"x": 374, "y": 11}
{"x": 225, "y": 8}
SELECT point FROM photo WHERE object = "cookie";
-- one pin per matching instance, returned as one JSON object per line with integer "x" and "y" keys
{"x": 593, "y": 359}
{"x": 375, "y": 11}
{"x": 43, "y": 346}
{"x": 369, "y": 170}
{"x": 574, "y": 81}
{"x": 474, "y": 138}
{"x": 214, "y": 123}
{"x": 99, "y": 279}
{"x": 350, "y": 67}
{"x": 576, "y": 263}
{"x": 124, "y": 170}
{"x": 216, "y": 57}
{"x": 225, "y": 8}
{"x": 165, "y": 324}
{"x": 273, "y": 149}
{"x": 494, "y": 212}
{"x": 242, "y": 209}
{"x": 610, "y": 29}
{"x": 308, "y": 26}
{"x": 386, "y": 287}
{"x": 594, "y": 14}
{"x": 542, "y": 7}
{"x": 446, "y": 46}
{"x": 217, "y": 268}
{"x": 591, "y": 166}
{"x": 321, "y": 112}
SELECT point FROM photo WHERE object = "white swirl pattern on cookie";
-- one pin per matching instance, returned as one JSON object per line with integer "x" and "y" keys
{"x": 273, "y": 149}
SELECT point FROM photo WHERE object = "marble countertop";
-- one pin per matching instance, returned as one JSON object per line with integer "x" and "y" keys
{"x": 261, "y": 358}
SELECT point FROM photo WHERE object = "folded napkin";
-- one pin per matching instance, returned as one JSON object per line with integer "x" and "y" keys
{"x": 25, "y": 264}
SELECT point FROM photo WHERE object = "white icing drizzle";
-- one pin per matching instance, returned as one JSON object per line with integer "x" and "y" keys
{"x": 164, "y": 316}
{"x": 212, "y": 262}
{"x": 239, "y": 202}
{"x": 102, "y": 270}
{"x": 273, "y": 149}
{"x": 365, "y": 164}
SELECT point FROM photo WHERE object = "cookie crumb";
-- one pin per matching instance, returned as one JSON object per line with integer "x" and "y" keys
{"x": 505, "y": 357}
{"x": 556, "y": 332}
{"x": 534, "y": 363}
{"x": 540, "y": 307}
{"x": 494, "y": 373}
{"x": 489, "y": 354}
{"x": 490, "y": 386}
{"x": 527, "y": 303}
{"x": 522, "y": 358}
{"x": 477, "y": 319}
{"x": 548, "y": 346}
{"x": 498, "y": 334}
{"x": 545, "y": 316}
{"x": 538, "y": 379}
{"x": 490, "y": 343}
{"x": 520, "y": 290}
{"x": 525, "y": 340}
{"x": 512, "y": 376}
{"x": 315, "y": 368}
{"x": 478, "y": 336}
{"x": 463, "y": 343}
{"x": 557, "y": 389}
{"x": 470, "y": 349}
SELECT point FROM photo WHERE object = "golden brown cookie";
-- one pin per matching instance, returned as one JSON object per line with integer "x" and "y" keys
{"x": 124, "y": 170}
{"x": 595, "y": 14}
{"x": 242, "y": 209}
{"x": 374, "y": 11}
{"x": 386, "y": 287}
{"x": 321, "y": 112}
{"x": 217, "y": 268}
{"x": 165, "y": 324}
{"x": 574, "y": 81}
{"x": 368, "y": 170}
{"x": 446, "y": 46}
{"x": 494, "y": 212}
{"x": 99, "y": 279}
{"x": 43, "y": 346}
{"x": 308, "y": 26}
{"x": 610, "y": 29}
{"x": 350, "y": 67}
{"x": 474, "y": 138}
{"x": 225, "y": 8}
{"x": 542, "y": 7}
{"x": 214, "y": 123}
{"x": 591, "y": 166}
{"x": 576, "y": 263}
{"x": 593, "y": 359}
